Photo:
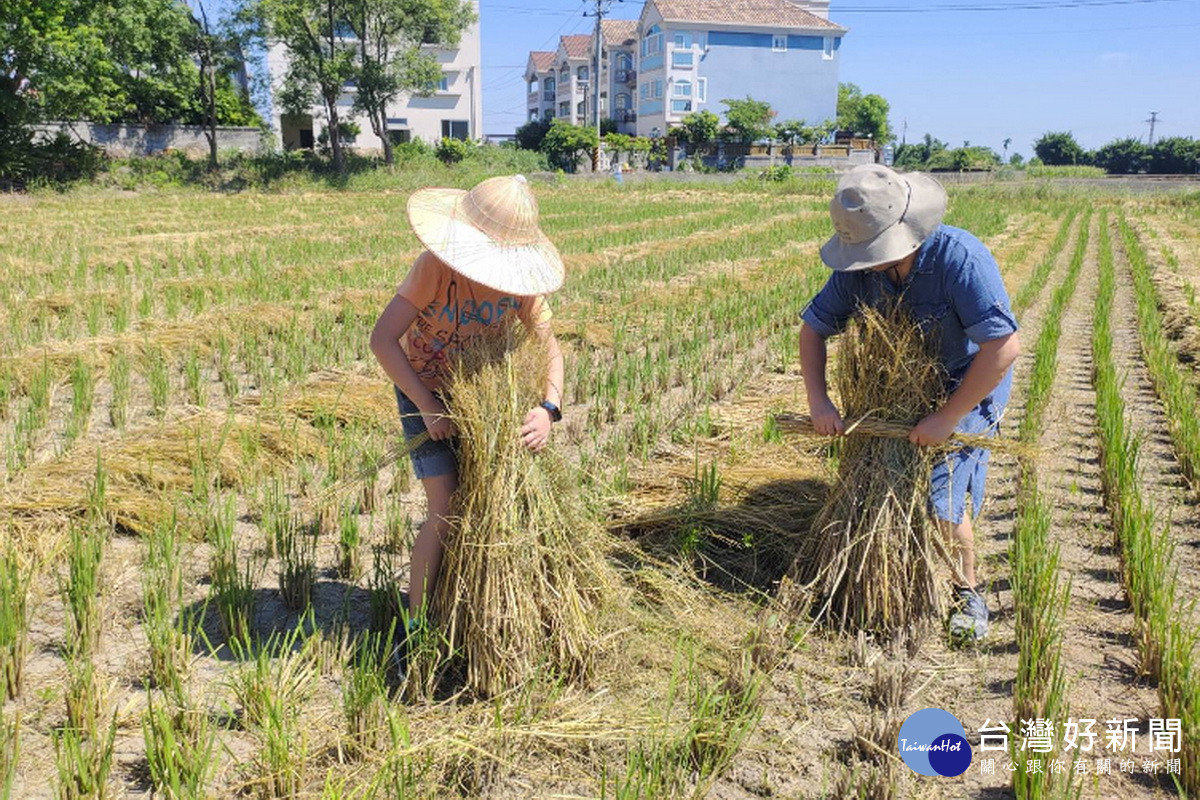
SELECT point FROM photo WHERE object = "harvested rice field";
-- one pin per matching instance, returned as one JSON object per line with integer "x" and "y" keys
{"x": 206, "y": 526}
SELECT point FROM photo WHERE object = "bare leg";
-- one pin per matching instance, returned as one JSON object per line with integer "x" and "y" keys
{"x": 430, "y": 543}
{"x": 962, "y": 544}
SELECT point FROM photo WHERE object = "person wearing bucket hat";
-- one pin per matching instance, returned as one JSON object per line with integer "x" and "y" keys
{"x": 486, "y": 265}
{"x": 890, "y": 245}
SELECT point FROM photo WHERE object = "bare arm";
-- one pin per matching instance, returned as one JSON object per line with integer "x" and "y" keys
{"x": 825, "y": 416}
{"x": 396, "y": 318}
{"x": 985, "y": 373}
{"x": 536, "y": 428}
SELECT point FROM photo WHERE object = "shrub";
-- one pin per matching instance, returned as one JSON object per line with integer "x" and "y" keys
{"x": 452, "y": 151}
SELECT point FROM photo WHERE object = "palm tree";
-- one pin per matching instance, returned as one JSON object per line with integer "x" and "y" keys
{"x": 1007, "y": 142}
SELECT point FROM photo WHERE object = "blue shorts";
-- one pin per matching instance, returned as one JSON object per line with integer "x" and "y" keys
{"x": 960, "y": 472}
{"x": 430, "y": 459}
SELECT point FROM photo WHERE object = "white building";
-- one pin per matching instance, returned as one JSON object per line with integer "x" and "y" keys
{"x": 454, "y": 110}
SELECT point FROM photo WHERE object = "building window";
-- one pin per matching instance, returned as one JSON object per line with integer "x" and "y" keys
{"x": 444, "y": 83}
{"x": 702, "y": 90}
{"x": 549, "y": 114}
{"x": 683, "y": 40}
{"x": 624, "y": 61}
{"x": 644, "y": 91}
{"x": 658, "y": 89}
{"x": 533, "y": 85}
{"x": 827, "y": 49}
{"x": 456, "y": 129}
{"x": 684, "y": 59}
{"x": 583, "y": 73}
{"x": 400, "y": 137}
{"x": 681, "y": 106}
{"x": 682, "y": 89}
{"x": 580, "y": 110}
{"x": 779, "y": 43}
{"x": 652, "y": 45}
{"x": 623, "y": 101}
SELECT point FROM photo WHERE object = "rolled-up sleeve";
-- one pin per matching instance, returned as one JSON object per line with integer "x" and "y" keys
{"x": 980, "y": 300}
{"x": 831, "y": 308}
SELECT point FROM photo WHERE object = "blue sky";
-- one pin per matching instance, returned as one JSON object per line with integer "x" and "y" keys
{"x": 980, "y": 76}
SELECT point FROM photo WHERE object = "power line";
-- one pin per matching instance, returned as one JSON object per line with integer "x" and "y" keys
{"x": 1015, "y": 6}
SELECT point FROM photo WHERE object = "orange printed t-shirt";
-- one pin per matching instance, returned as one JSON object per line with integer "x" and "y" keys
{"x": 451, "y": 311}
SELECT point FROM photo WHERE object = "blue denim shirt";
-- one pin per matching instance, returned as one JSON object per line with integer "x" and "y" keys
{"x": 954, "y": 290}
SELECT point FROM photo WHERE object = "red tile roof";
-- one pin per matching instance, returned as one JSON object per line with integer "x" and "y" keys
{"x": 775, "y": 13}
{"x": 577, "y": 45}
{"x": 619, "y": 31}
{"x": 543, "y": 60}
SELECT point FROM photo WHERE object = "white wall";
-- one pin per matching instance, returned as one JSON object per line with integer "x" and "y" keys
{"x": 462, "y": 101}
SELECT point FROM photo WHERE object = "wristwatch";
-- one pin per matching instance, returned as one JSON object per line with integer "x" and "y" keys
{"x": 555, "y": 413}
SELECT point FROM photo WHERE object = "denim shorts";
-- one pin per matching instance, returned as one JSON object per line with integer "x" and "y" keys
{"x": 430, "y": 459}
{"x": 955, "y": 475}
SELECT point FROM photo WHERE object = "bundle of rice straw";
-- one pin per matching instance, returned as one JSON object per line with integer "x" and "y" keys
{"x": 524, "y": 576}
{"x": 869, "y": 562}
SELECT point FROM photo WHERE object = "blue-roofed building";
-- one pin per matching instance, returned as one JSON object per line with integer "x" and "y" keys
{"x": 692, "y": 54}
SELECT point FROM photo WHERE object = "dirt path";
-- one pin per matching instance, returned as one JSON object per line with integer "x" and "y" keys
{"x": 1160, "y": 473}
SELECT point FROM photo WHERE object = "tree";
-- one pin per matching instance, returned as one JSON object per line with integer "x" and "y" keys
{"x": 1016, "y": 159}
{"x": 748, "y": 120}
{"x": 849, "y": 96}
{"x": 1122, "y": 157}
{"x": 1007, "y": 142}
{"x": 863, "y": 115}
{"x": 565, "y": 143}
{"x": 701, "y": 127}
{"x": 1175, "y": 155}
{"x": 321, "y": 59}
{"x": 218, "y": 55}
{"x": 391, "y": 59}
{"x": 1058, "y": 148}
{"x": 531, "y": 134}
{"x": 918, "y": 156}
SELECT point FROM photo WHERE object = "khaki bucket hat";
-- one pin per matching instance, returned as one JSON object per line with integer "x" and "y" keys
{"x": 489, "y": 234}
{"x": 881, "y": 216}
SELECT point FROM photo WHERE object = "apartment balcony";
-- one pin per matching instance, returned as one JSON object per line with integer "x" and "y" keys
{"x": 548, "y": 95}
{"x": 625, "y": 116}
{"x": 626, "y": 76}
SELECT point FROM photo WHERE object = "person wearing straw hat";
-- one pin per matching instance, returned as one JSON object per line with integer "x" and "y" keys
{"x": 890, "y": 245}
{"x": 486, "y": 264}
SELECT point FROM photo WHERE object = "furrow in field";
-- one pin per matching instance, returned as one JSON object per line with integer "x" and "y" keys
{"x": 1160, "y": 471}
{"x": 978, "y": 684}
{"x": 1099, "y": 654}
{"x": 1176, "y": 282}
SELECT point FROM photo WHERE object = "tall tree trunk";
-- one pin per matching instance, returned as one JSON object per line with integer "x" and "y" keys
{"x": 389, "y": 153}
{"x": 335, "y": 134}
{"x": 212, "y": 115}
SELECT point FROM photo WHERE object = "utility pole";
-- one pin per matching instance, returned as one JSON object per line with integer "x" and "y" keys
{"x": 1153, "y": 119}
{"x": 602, "y": 7}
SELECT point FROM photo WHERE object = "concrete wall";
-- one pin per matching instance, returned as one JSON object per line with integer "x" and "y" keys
{"x": 124, "y": 140}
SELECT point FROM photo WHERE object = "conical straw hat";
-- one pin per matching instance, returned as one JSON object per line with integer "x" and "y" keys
{"x": 489, "y": 234}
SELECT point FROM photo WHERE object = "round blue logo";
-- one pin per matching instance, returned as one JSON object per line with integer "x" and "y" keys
{"x": 933, "y": 742}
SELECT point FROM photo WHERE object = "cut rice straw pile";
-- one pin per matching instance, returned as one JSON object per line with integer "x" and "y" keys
{"x": 870, "y": 560}
{"x": 524, "y": 578}
{"x": 146, "y": 470}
